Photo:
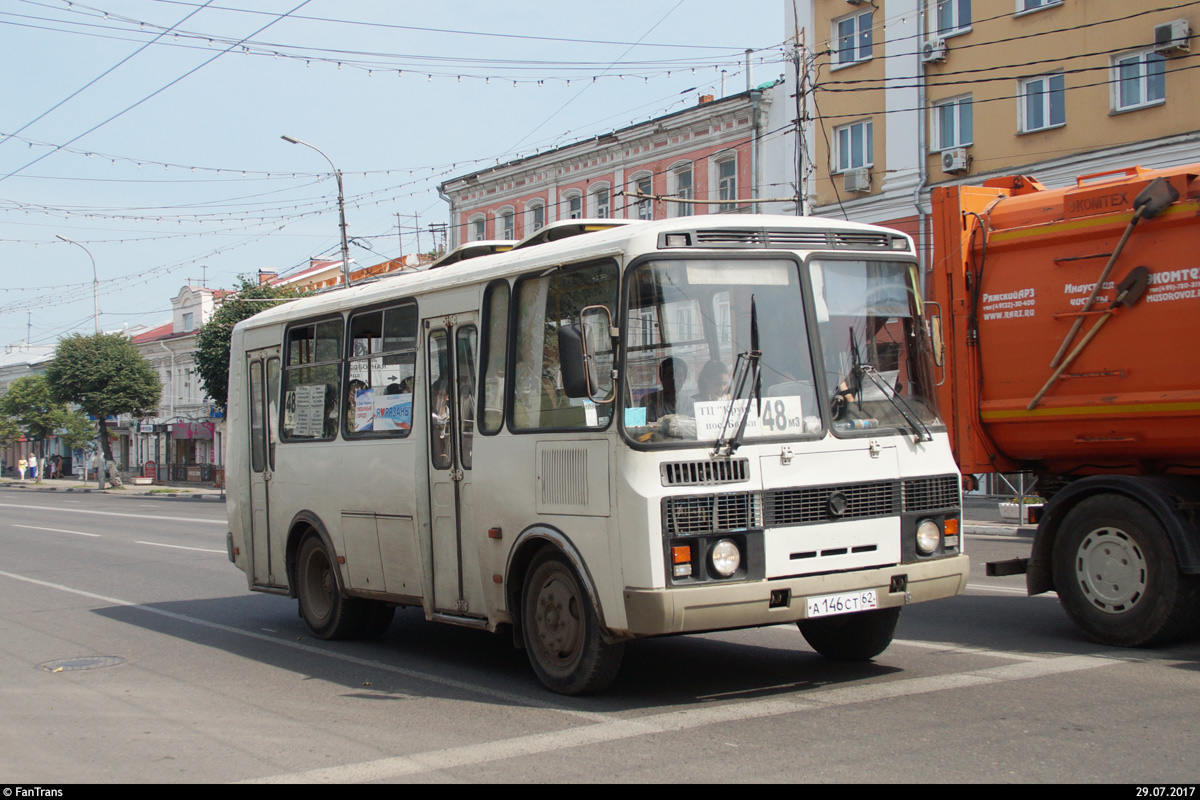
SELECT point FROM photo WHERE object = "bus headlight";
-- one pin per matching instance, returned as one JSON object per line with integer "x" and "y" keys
{"x": 726, "y": 558}
{"x": 928, "y": 536}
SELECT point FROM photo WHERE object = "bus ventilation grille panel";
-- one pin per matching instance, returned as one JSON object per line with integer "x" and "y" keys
{"x": 701, "y": 473}
{"x": 926, "y": 494}
{"x": 735, "y": 511}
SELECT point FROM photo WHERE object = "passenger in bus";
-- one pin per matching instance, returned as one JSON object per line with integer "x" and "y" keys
{"x": 672, "y": 373}
{"x": 712, "y": 383}
{"x": 356, "y": 386}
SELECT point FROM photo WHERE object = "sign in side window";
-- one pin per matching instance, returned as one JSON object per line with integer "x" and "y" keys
{"x": 310, "y": 381}
{"x": 383, "y": 352}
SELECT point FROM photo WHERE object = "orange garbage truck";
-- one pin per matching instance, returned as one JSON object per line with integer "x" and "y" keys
{"x": 1070, "y": 323}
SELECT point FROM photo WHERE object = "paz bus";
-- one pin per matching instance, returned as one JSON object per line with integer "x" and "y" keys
{"x": 606, "y": 431}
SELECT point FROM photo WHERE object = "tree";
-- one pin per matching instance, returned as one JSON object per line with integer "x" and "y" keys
{"x": 105, "y": 375}
{"x": 29, "y": 403}
{"x": 212, "y": 342}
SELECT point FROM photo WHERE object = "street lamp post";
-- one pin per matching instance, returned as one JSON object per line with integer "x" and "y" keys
{"x": 100, "y": 462}
{"x": 95, "y": 280}
{"x": 341, "y": 205}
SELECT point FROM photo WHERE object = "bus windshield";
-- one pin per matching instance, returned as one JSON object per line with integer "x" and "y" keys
{"x": 873, "y": 352}
{"x": 689, "y": 323}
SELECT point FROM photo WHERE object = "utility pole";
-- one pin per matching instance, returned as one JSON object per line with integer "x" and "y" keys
{"x": 337, "y": 173}
{"x": 801, "y": 68}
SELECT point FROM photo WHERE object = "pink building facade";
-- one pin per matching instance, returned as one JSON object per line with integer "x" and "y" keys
{"x": 709, "y": 154}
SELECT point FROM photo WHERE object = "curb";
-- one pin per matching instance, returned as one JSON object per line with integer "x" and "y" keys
{"x": 998, "y": 529}
{"x": 208, "y": 494}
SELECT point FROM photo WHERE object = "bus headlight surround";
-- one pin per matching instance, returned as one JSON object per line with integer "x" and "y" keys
{"x": 928, "y": 536}
{"x": 725, "y": 557}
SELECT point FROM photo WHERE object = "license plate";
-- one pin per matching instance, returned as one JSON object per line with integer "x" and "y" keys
{"x": 846, "y": 603}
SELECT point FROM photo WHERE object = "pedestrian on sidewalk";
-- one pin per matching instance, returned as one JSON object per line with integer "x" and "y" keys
{"x": 33, "y": 465}
{"x": 21, "y": 466}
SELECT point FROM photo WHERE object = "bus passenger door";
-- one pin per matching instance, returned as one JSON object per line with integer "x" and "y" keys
{"x": 452, "y": 350}
{"x": 264, "y": 393}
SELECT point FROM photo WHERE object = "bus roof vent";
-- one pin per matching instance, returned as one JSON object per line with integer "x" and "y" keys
{"x": 864, "y": 240}
{"x": 784, "y": 239}
{"x": 702, "y": 473}
{"x": 485, "y": 247}
{"x": 566, "y": 228}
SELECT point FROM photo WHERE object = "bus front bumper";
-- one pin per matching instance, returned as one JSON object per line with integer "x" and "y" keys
{"x": 654, "y": 612}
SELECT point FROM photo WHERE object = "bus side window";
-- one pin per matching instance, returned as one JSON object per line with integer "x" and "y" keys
{"x": 311, "y": 379}
{"x": 495, "y": 344}
{"x": 547, "y": 302}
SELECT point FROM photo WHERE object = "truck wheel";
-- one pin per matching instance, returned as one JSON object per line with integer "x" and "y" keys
{"x": 325, "y": 610}
{"x": 561, "y": 630}
{"x": 1117, "y": 576}
{"x": 851, "y": 637}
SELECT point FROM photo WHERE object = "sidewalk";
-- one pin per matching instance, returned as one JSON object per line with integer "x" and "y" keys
{"x": 196, "y": 491}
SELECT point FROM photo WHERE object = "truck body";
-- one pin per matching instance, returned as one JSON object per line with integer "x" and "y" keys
{"x": 1071, "y": 328}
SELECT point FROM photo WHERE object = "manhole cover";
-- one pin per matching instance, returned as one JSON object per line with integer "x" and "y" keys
{"x": 81, "y": 663}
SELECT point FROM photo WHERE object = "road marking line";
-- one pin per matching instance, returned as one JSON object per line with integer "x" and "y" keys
{"x": 672, "y": 721}
{"x": 56, "y": 530}
{"x": 507, "y": 697}
{"x": 605, "y": 727}
{"x": 114, "y": 514}
{"x": 180, "y": 547}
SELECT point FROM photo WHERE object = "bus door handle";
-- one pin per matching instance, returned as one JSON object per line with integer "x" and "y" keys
{"x": 456, "y": 475}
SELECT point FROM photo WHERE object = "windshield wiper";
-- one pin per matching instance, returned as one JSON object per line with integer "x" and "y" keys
{"x": 748, "y": 368}
{"x": 920, "y": 432}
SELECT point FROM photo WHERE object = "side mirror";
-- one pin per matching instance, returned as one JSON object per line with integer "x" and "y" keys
{"x": 935, "y": 336}
{"x": 585, "y": 351}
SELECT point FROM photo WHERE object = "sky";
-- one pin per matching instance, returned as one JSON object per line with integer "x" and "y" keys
{"x": 148, "y": 131}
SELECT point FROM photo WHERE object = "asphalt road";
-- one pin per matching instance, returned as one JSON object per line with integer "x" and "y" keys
{"x": 131, "y": 651}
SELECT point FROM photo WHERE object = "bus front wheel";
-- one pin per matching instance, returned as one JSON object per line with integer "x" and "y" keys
{"x": 562, "y": 632}
{"x": 325, "y": 610}
{"x": 851, "y": 637}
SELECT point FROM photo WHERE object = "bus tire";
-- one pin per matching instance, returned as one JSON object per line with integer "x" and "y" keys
{"x": 851, "y": 637}
{"x": 375, "y": 617}
{"x": 561, "y": 629}
{"x": 1117, "y": 576}
{"x": 326, "y": 611}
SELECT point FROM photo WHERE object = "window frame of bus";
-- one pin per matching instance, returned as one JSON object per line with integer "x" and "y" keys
{"x": 485, "y": 357}
{"x": 284, "y": 435}
{"x": 821, "y": 382}
{"x": 349, "y": 357}
{"x": 514, "y": 329}
{"x": 801, "y": 265}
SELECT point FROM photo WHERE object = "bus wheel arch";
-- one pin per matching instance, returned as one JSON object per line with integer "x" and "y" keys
{"x": 530, "y": 542}
{"x": 561, "y": 629}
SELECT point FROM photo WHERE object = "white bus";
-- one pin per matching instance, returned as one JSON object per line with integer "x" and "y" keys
{"x": 604, "y": 432}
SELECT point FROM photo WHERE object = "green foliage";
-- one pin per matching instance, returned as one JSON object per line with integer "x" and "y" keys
{"x": 105, "y": 375}
{"x": 29, "y": 403}
{"x": 76, "y": 431}
{"x": 212, "y": 342}
{"x": 9, "y": 430}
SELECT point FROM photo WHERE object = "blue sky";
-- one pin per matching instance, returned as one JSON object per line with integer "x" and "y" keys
{"x": 191, "y": 180}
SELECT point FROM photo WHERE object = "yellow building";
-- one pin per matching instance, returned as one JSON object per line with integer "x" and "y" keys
{"x": 903, "y": 95}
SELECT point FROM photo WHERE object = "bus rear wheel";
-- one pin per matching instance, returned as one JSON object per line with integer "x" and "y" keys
{"x": 851, "y": 637}
{"x": 326, "y": 611}
{"x": 562, "y": 632}
{"x": 1117, "y": 576}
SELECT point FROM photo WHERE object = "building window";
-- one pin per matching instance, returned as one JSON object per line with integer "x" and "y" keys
{"x": 852, "y": 39}
{"x": 508, "y": 224}
{"x": 952, "y": 123}
{"x": 727, "y": 184}
{"x": 645, "y": 206}
{"x": 575, "y": 206}
{"x": 1043, "y": 103}
{"x": 601, "y": 203}
{"x": 1024, "y": 6}
{"x": 854, "y": 146}
{"x": 187, "y": 323}
{"x": 537, "y": 217}
{"x": 682, "y": 177}
{"x": 1139, "y": 80}
{"x": 953, "y": 16}
{"x": 478, "y": 229}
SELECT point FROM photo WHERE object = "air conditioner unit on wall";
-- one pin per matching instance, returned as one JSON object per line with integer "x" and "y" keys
{"x": 933, "y": 51}
{"x": 1170, "y": 37}
{"x": 857, "y": 180}
{"x": 955, "y": 160}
